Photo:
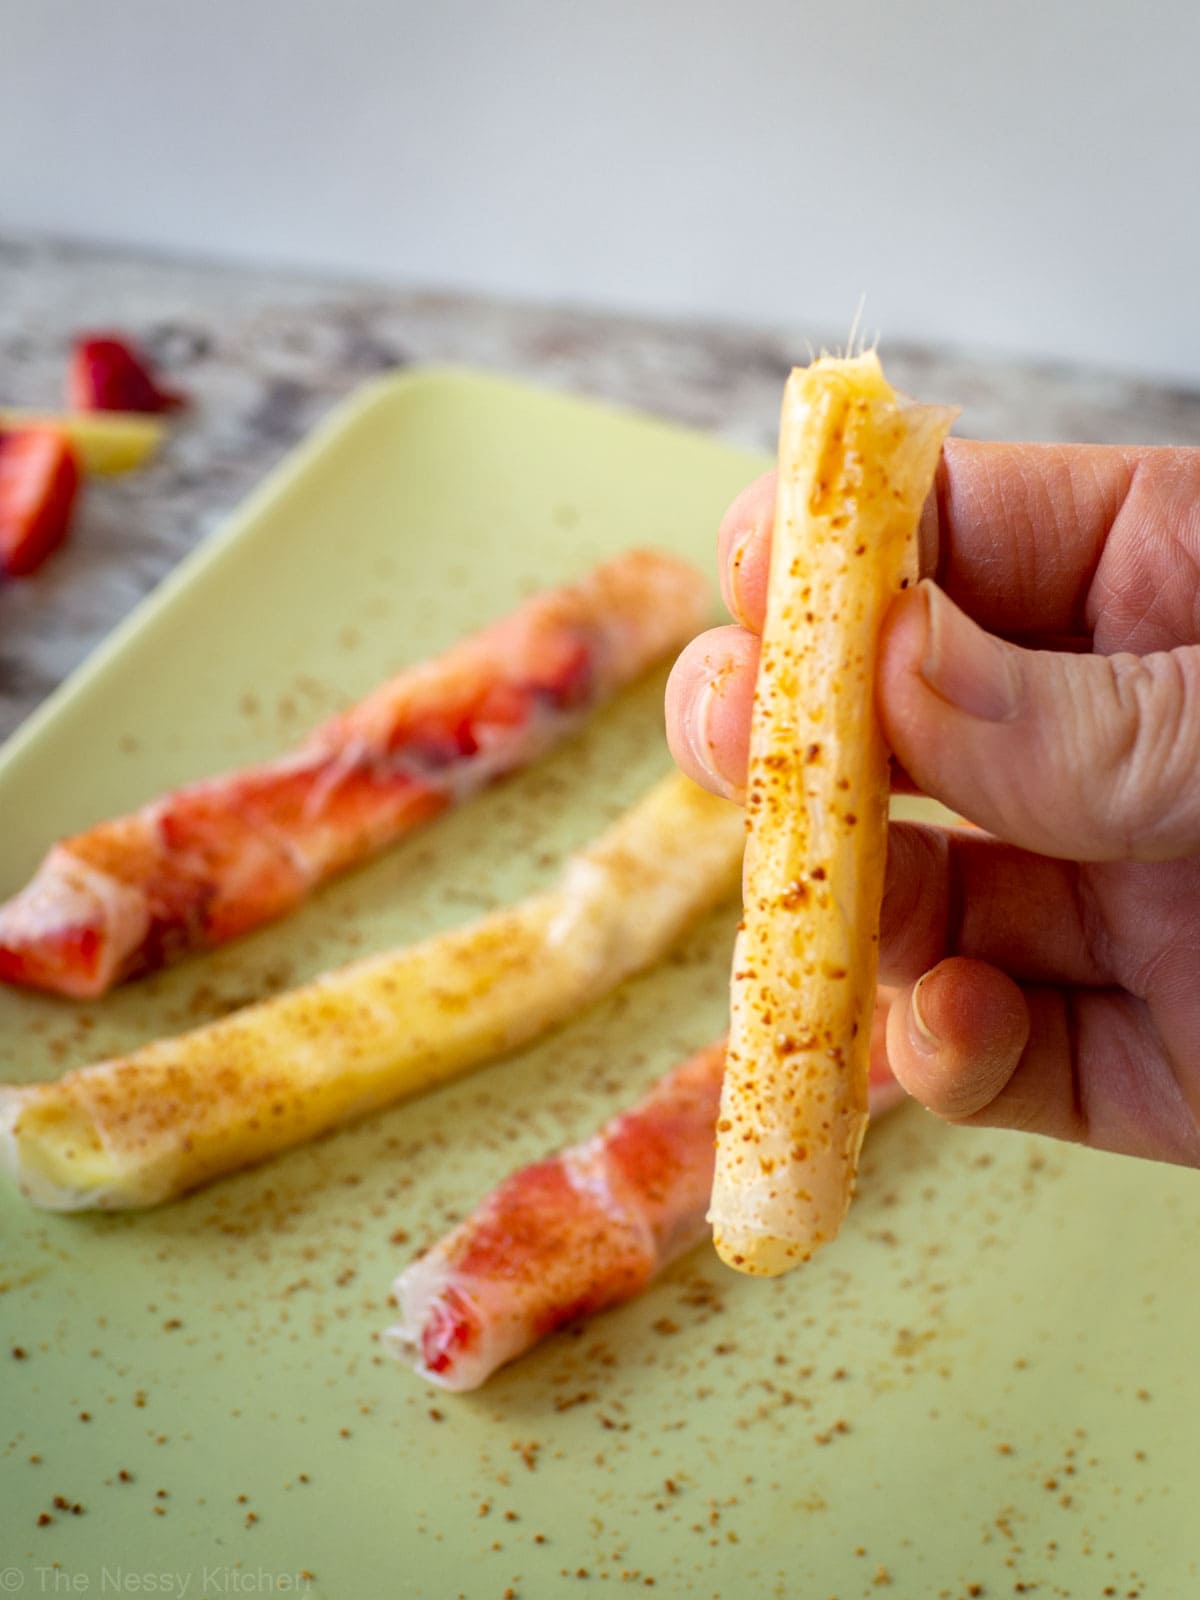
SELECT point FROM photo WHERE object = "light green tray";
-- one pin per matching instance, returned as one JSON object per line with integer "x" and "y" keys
{"x": 991, "y": 1380}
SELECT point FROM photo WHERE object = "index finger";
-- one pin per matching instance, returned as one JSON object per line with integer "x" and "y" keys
{"x": 1014, "y": 533}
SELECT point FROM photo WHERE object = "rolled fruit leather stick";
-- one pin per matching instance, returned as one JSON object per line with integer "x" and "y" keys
{"x": 855, "y": 466}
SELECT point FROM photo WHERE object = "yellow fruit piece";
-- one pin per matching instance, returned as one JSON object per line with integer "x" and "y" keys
{"x": 105, "y": 441}
{"x": 855, "y": 466}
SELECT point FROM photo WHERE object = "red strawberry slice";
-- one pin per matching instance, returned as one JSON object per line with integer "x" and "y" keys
{"x": 39, "y": 479}
{"x": 107, "y": 373}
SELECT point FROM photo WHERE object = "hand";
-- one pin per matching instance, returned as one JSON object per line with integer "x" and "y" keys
{"x": 1050, "y": 965}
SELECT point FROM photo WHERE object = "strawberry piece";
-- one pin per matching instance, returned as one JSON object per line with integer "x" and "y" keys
{"x": 450, "y": 1330}
{"x": 39, "y": 479}
{"x": 108, "y": 373}
{"x": 75, "y": 949}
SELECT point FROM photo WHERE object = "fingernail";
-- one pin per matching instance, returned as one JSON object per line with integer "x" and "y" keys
{"x": 734, "y": 571}
{"x": 928, "y": 535}
{"x": 921, "y": 1035}
{"x": 699, "y": 735}
{"x": 965, "y": 665}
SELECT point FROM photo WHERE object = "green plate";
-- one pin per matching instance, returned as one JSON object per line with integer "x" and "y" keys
{"x": 988, "y": 1386}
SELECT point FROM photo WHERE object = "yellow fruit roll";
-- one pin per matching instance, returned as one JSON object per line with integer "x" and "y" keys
{"x": 855, "y": 465}
{"x": 146, "y": 1127}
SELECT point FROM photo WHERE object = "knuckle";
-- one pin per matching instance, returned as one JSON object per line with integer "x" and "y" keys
{"x": 1152, "y": 754}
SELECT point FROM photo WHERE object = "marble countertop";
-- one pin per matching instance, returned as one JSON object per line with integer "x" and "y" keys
{"x": 266, "y": 353}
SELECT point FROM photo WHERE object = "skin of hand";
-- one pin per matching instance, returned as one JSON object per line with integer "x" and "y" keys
{"x": 1043, "y": 682}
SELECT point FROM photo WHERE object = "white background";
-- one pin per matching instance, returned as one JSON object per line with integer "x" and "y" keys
{"x": 1017, "y": 176}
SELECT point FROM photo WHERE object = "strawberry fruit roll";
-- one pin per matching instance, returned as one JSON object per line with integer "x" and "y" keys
{"x": 222, "y": 856}
{"x": 579, "y": 1232}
